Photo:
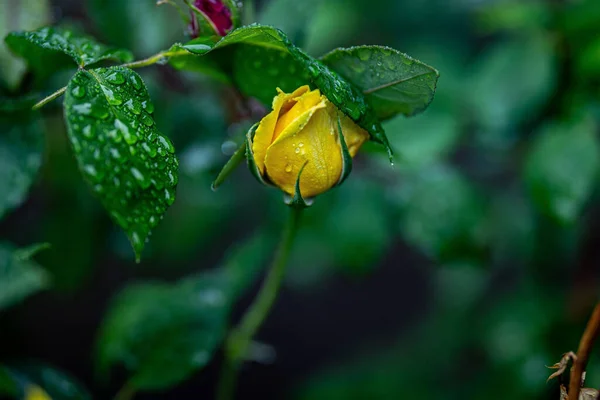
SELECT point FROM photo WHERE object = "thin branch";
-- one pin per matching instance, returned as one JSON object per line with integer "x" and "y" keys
{"x": 48, "y": 99}
{"x": 583, "y": 353}
{"x": 157, "y": 58}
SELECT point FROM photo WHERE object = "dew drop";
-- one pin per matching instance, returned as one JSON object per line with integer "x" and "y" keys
{"x": 288, "y": 168}
{"x": 116, "y": 78}
{"x": 78, "y": 92}
{"x": 88, "y": 131}
{"x": 140, "y": 177}
{"x": 364, "y": 54}
{"x": 297, "y": 150}
{"x": 112, "y": 98}
{"x": 172, "y": 178}
{"x": 135, "y": 81}
{"x": 149, "y": 149}
{"x": 166, "y": 143}
{"x": 148, "y": 106}
{"x": 90, "y": 170}
{"x": 115, "y": 153}
{"x": 169, "y": 197}
{"x": 133, "y": 106}
{"x": 85, "y": 108}
{"x": 147, "y": 120}
{"x": 124, "y": 129}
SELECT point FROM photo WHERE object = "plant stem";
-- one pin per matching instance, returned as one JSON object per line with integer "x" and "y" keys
{"x": 48, "y": 99}
{"x": 583, "y": 352}
{"x": 155, "y": 59}
{"x": 126, "y": 392}
{"x": 231, "y": 165}
{"x": 236, "y": 345}
{"x": 135, "y": 64}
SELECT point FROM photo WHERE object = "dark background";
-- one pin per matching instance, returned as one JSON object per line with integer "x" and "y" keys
{"x": 449, "y": 275}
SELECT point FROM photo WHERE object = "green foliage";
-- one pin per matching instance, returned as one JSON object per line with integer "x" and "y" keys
{"x": 562, "y": 168}
{"x": 393, "y": 82}
{"x": 20, "y": 152}
{"x": 276, "y": 13}
{"x": 20, "y": 277}
{"x": 129, "y": 164}
{"x": 273, "y": 61}
{"x": 20, "y": 379}
{"x": 82, "y": 49}
{"x": 422, "y": 140}
{"x": 140, "y": 24}
{"x": 255, "y": 65}
{"x": 441, "y": 213}
{"x": 163, "y": 333}
{"x": 22, "y": 15}
{"x": 500, "y": 105}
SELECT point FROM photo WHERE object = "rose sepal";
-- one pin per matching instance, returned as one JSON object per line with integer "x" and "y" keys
{"x": 297, "y": 201}
{"x": 250, "y": 156}
{"x": 346, "y": 157}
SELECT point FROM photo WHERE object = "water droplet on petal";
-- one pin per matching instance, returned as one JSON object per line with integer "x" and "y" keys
{"x": 288, "y": 168}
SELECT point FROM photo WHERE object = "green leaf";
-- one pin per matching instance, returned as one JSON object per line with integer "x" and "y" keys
{"x": 424, "y": 139}
{"x": 277, "y": 13}
{"x": 162, "y": 333}
{"x": 259, "y": 70}
{"x": 340, "y": 92}
{"x": 562, "y": 167}
{"x": 128, "y": 163}
{"x": 39, "y": 48}
{"x": 21, "y": 143}
{"x": 19, "y": 276}
{"x": 120, "y": 23}
{"x": 442, "y": 226}
{"x": 23, "y": 15}
{"x": 257, "y": 35}
{"x": 344, "y": 96}
{"x": 28, "y": 252}
{"x": 25, "y": 380}
{"x": 511, "y": 81}
{"x": 392, "y": 81}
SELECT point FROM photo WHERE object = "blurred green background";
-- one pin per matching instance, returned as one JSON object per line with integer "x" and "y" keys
{"x": 460, "y": 272}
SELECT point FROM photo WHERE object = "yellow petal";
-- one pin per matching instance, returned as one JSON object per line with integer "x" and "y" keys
{"x": 263, "y": 136}
{"x": 354, "y": 135}
{"x": 34, "y": 392}
{"x": 302, "y": 104}
{"x": 317, "y": 142}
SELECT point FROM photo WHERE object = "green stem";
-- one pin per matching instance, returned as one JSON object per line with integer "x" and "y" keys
{"x": 126, "y": 392}
{"x": 231, "y": 165}
{"x": 135, "y": 64}
{"x": 48, "y": 99}
{"x": 238, "y": 341}
{"x": 155, "y": 59}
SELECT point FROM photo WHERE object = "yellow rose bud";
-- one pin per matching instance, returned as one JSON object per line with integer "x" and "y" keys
{"x": 302, "y": 131}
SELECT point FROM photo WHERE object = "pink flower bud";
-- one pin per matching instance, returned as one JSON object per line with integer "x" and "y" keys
{"x": 217, "y": 13}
